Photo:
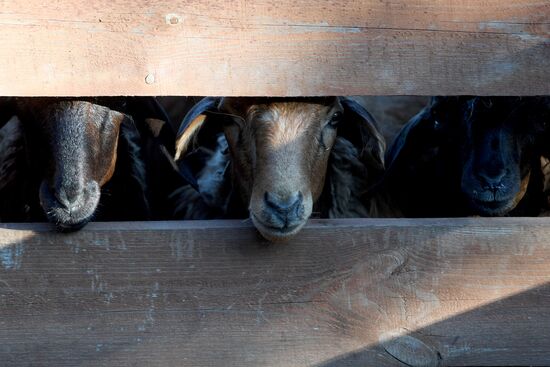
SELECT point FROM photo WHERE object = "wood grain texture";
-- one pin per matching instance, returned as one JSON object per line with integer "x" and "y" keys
{"x": 274, "y": 48}
{"x": 344, "y": 293}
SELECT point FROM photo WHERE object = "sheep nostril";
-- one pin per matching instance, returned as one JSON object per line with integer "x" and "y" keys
{"x": 284, "y": 205}
{"x": 491, "y": 180}
{"x": 270, "y": 200}
{"x": 68, "y": 198}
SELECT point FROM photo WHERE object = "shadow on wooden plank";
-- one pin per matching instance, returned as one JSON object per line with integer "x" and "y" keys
{"x": 481, "y": 337}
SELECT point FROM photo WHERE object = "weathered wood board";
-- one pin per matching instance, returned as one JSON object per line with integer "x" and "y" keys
{"x": 274, "y": 48}
{"x": 344, "y": 293}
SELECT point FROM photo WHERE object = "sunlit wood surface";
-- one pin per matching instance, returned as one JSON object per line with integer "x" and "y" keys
{"x": 274, "y": 48}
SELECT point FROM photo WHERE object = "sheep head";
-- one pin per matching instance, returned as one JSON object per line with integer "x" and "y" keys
{"x": 503, "y": 144}
{"x": 74, "y": 147}
{"x": 280, "y": 148}
{"x": 471, "y": 156}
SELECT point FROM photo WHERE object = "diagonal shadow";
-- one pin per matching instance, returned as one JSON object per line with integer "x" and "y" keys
{"x": 513, "y": 331}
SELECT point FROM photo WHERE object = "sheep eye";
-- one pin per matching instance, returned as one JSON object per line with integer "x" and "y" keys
{"x": 336, "y": 118}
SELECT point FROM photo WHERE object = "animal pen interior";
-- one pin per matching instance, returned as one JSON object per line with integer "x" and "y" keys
{"x": 344, "y": 292}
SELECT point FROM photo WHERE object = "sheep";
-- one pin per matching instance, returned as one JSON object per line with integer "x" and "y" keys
{"x": 85, "y": 160}
{"x": 280, "y": 159}
{"x": 463, "y": 156}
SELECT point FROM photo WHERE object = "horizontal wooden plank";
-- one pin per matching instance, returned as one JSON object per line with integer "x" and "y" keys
{"x": 343, "y": 293}
{"x": 282, "y": 48}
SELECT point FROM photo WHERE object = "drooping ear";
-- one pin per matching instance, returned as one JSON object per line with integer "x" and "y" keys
{"x": 398, "y": 145}
{"x": 425, "y": 133}
{"x": 192, "y": 123}
{"x": 128, "y": 184}
{"x": 125, "y": 143}
{"x": 427, "y": 119}
{"x": 360, "y": 128}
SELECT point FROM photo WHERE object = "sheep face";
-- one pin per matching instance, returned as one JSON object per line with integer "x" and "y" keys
{"x": 280, "y": 152}
{"x": 76, "y": 145}
{"x": 499, "y": 151}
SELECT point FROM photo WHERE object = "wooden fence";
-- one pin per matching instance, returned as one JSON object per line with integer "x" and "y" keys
{"x": 344, "y": 292}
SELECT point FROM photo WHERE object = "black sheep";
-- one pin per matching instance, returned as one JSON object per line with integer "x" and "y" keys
{"x": 464, "y": 156}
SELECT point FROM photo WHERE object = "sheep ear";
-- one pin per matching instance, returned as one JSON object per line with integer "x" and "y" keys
{"x": 398, "y": 144}
{"x": 192, "y": 123}
{"x": 425, "y": 132}
{"x": 184, "y": 140}
{"x": 428, "y": 119}
{"x": 361, "y": 129}
{"x": 127, "y": 128}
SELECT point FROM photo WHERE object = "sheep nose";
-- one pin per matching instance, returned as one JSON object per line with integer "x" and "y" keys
{"x": 281, "y": 204}
{"x": 68, "y": 197}
{"x": 288, "y": 209}
{"x": 491, "y": 180}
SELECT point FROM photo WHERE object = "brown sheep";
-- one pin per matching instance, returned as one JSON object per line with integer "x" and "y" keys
{"x": 280, "y": 149}
{"x": 84, "y": 159}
